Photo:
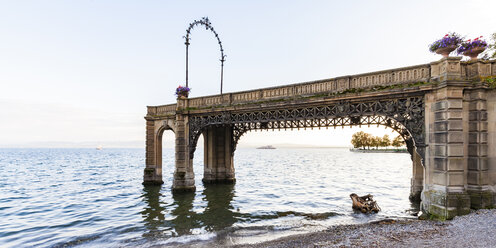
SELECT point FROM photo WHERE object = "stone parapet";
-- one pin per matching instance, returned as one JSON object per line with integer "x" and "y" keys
{"x": 446, "y": 69}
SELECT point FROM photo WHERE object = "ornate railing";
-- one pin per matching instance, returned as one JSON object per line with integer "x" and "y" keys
{"x": 399, "y": 76}
{"x": 382, "y": 78}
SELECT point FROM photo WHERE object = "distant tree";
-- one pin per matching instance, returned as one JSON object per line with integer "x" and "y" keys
{"x": 365, "y": 141}
{"x": 398, "y": 141}
{"x": 385, "y": 141}
{"x": 368, "y": 140}
{"x": 358, "y": 140}
{"x": 376, "y": 141}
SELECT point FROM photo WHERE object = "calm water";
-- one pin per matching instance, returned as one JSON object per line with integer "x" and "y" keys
{"x": 88, "y": 198}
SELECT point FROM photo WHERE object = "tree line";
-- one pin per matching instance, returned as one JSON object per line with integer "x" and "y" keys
{"x": 365, "y": 141}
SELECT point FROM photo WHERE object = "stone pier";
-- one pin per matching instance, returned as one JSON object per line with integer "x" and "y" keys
{"x": 445, "y": 110}
{"x": 218, "y": 155}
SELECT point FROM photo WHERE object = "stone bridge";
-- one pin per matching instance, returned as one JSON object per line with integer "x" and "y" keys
{"x": 445, "y": 111}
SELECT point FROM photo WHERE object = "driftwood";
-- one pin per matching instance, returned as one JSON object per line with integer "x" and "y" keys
{"x": 364, "y": 204}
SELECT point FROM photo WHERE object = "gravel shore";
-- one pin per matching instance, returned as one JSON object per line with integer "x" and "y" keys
{"x": 477, "y": 229}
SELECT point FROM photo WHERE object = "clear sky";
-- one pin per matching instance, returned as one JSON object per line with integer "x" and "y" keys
{"x": 79, "y": 73}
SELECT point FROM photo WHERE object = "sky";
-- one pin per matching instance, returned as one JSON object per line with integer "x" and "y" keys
{"x": 81, "y": 73}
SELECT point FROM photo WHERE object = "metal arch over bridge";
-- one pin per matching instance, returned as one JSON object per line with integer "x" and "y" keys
{"x": 208, "y": 26}
{"x": 445, "y": 110}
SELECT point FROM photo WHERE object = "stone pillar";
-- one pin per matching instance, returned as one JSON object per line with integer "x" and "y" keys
{"x": 218, "y": 155}
{"x": 184, "y": 177}
{"x": 481, "y": 195}
{"x": 417, "y": 183}
{"x": 491, "y": 138}
{"x": 444, "y": 194}
{"x": 153, "y": 171}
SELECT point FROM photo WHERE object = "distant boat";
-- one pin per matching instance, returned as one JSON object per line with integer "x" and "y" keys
{"x": 266, "y": 147}
{"x": 100, "y": 147}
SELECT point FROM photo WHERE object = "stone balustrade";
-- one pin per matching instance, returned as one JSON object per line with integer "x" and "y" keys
{"x": 446, "y": 67}
{"x": 169, "y": 109}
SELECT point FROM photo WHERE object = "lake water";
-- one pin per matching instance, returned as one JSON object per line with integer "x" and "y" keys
{"x": 91, "y": 198}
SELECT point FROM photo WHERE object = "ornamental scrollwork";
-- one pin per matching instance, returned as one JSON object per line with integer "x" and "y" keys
{"x": 404, "y": 115}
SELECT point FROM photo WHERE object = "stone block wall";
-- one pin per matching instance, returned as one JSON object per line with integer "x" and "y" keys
{"x": 478, "y": 181}
{"x": 491, "y": 143}
{"x": 444, "y": 192}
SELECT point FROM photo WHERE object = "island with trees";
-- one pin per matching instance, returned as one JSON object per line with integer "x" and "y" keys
{"x": 365, "y": 142}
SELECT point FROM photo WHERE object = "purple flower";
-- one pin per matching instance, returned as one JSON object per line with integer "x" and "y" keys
{"x": 451, "y": 39}
{"x": 469, "y": 45}
{"x": 182, "y": 90}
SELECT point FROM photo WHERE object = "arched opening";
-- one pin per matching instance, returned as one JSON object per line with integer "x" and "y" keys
{"x": 309, "y": 174}
{"x": 164, "y": 152}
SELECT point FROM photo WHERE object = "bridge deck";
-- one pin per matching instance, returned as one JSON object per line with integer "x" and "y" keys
{"x": 406, "y": 77}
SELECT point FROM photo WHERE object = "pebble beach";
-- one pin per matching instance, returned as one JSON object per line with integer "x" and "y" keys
{"x": 477, "y": 229}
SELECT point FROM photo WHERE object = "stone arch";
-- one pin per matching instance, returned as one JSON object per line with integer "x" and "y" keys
{"x": 154, "y": 131}
{"x": 162, "y": 127}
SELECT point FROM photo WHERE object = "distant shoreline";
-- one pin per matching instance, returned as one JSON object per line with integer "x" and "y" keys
{"x": 401, "y": 150}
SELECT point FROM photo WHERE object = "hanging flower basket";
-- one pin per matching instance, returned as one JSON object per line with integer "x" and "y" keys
{"x": 446, "y": 45}
{"x": 182, "y": 92}
{"x": 472, "y": 48}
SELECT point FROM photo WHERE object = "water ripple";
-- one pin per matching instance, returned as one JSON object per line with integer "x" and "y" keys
{"x": 88, "y": 198}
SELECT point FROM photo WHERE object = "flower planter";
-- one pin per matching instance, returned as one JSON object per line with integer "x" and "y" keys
{"x": 183, "y": 95}
{"x": 182, "y": 92}
{"x": 446, "y": 45}
{"x": 445, "y": 51}
{"x": 474, "y": 52}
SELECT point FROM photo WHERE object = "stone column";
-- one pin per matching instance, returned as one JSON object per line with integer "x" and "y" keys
{"x": 184, "y": 177}
{"x": 481, "y": 195}
{"x": 417, "y": 183}
{"x": 444, "y": 194}
{"x": 153, "y": 171}
{"x": 218, "y": 155}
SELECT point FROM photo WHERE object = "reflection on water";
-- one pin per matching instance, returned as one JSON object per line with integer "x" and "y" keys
{"x": 96, "y": 199}
{"x": 183, "y": 217}
{"x": 153, "y": 212}
{"x": 218, "y": 213}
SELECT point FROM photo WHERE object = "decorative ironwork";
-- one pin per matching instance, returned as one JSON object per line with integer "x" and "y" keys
{"x": 208, "y": 26}
{"x": 405, "y": 115}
